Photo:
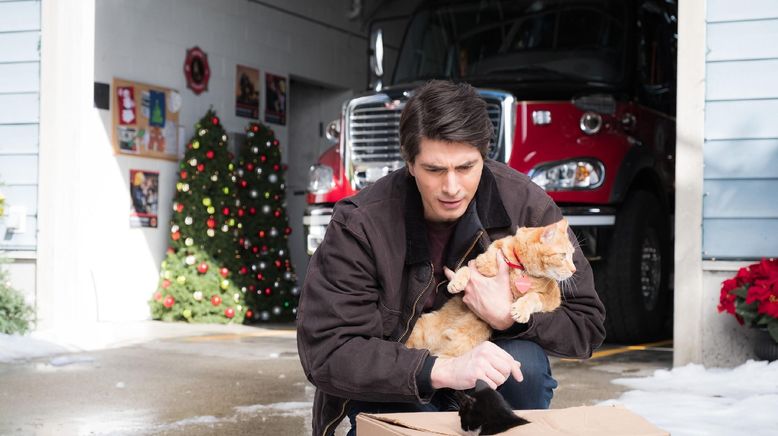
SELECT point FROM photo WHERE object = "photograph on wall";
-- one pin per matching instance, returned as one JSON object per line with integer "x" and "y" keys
{"x": 144, "y": 189}
{"x": 145, "y": 120}
{"x": 247, "y": 92}
{"x": 275, "y": 99}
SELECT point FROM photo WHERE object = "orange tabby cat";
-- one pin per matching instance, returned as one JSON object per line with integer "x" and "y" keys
{"x": 538, "y": 258}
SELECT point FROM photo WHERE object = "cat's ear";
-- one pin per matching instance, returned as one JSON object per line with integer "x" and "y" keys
{"x": 548, "y": 234}
{"x": 563, "y": 224}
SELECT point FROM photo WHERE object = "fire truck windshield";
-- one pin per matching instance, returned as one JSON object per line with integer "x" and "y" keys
{"x": 526, "y": 40}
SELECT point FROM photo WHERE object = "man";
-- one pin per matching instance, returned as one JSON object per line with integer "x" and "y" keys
{"x": 381, "y": 264}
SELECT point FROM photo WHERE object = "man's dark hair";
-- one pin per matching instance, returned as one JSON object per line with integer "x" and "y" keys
{"x": 444, "y": 111}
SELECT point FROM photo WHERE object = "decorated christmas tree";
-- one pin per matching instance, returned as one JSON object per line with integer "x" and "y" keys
{"x": 266, "y": 274}
{"x": 196, "y": 278}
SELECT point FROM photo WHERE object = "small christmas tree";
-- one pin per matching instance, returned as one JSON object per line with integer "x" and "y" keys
{"x": 195, "y": 282}
{"x": 266, "y": 274}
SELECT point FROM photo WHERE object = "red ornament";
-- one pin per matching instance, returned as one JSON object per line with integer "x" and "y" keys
{"x": 176, "y": 236}
{"x": 157, "y": 296}
{"x": 278, "y": 263}
{"x": 243, "y": 270}
{"x": 226, "y": 211}
{"x": 170, "y": 250}
{"x": 243, "y": 183}
{"x": 276, "y": 167}
{"x": 229, "y": 312}
{"x": 215, "y": 121}
{"x": 264, "y": 249}
{"x": 249, "y": 314}
{"x": 250, "y": 166}
{"x": 267, "y": 291}
{"x": 277, "y": 213}
{"x": 209, "y": 154}
{"x": 255, "y": 127}
{"x": 179, "y": 207}
{"x": 276, "y": 197}
{"x": 287, "y": 230}
{"x": 254, "y": 249}
{"x": 201, "y": 167}
{"x": 216, "y": 300}
{"x": 285, "y": 167}
{"x": 260, "y": 276}
{"x": 252, "y": 211}
{"x": 252, "y": 288}
{"x": 261, "y": 233}
{"x": 169, "y": 301}
{"x": 224, "y": 272}
{"x": 275, "y": 142}
{"x": 165, "y": 284}
{"x": 202, "y": 268}
{"x": 211, "y": 223}
{"x": 262, "y": 158}
{"x": 241, "y": 212}
{"x": 183, "y": 174}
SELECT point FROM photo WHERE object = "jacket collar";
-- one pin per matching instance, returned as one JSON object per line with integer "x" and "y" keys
{"x": 486, "y": 211}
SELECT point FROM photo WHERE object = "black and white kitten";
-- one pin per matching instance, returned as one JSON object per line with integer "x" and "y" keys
{"x": 484, "y": 411}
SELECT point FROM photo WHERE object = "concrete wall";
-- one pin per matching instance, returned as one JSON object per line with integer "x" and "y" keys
{"x": 97, "y": 267}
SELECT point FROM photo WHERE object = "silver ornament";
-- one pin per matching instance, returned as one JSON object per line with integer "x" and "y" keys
{"x": 295, "y": 291}
{"x": 254, "y": 193}
{"x": 255, "y": 149}
{"x": 276, "y": 311}
{"x": 264, "y": 315}
{"x": 266, "y": 209}
{"x": 272, "y": 178}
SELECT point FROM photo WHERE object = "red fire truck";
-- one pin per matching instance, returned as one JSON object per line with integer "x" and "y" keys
{"x": 582, "y": 97}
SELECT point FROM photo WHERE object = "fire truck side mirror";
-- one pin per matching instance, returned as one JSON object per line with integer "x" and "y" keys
{"x": 377, "y": 57}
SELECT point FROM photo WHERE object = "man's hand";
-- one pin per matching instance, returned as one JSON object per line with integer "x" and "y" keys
{"x": 490, "y": 298}
{"x": 487, "y": 362}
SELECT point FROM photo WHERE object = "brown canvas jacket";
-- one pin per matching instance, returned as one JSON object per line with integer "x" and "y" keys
{"x": 367, "y": 282}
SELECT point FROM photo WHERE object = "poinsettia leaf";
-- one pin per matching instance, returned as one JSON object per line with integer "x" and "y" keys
{"x": 763, "y": 321}
{"x": 741, "y": 292}
{"x": 772, "y": 328}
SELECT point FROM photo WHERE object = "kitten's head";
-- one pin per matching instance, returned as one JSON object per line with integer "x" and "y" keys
{"x": 544, "y": 251}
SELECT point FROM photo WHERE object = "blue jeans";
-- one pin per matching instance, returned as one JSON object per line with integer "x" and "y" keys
{"x": 535, "y": 392}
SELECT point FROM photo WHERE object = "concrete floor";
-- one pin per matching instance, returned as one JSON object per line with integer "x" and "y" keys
{"x": 236, "y": 381}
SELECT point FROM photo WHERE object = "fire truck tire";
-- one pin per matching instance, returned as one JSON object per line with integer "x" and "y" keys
{"x": 633, "y": 284}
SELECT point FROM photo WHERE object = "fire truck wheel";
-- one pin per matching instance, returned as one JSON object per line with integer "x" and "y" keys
{"x": 634, "y": 281}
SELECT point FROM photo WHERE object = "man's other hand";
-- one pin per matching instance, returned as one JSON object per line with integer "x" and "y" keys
{"x": 490, "y": 298}
{"x": 487, "y": 362}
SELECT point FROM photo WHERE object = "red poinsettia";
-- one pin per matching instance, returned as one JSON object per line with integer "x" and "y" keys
{"x": 752, "y": 296}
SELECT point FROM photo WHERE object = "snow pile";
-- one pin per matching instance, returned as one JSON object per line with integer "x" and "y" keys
{"x": 15, "y": 347}
{"x": 692, "y": 400}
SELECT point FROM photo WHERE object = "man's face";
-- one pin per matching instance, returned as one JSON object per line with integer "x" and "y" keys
{"x": 447, "y": 175}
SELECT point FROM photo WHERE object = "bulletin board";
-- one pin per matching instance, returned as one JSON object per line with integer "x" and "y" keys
{"x": 145, "y": 120}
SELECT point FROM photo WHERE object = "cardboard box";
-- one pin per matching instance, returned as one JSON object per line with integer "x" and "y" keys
{"x": 582, "y": 421}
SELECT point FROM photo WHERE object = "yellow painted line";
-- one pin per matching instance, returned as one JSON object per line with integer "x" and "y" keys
{"x": 234, "y": 336}
{"x": 624, "y": 349}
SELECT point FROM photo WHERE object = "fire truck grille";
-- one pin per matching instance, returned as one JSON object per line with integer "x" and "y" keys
{"x": 373, "y": 136}
{"x": 374, "y": 133}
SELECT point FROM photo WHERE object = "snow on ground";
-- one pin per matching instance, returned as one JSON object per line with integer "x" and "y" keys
{"x": 692, "y": 400}
{"x": 686, "y": 401}
{"x": 15, "y": 347}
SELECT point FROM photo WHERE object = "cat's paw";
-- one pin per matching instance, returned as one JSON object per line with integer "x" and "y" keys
{"x": 458, "y": 283}
{"x": 521, "y": 310}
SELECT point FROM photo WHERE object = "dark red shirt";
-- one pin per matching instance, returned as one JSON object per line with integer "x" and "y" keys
{"x": 438, "y": 236}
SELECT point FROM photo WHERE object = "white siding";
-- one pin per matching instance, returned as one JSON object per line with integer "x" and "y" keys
{"x": 19, "y": 115}
{"x": 740, "y": 205}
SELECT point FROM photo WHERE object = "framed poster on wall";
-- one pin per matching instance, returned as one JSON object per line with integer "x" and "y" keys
{"x": 145, "y": 120}
{"x": 275, "y": 101}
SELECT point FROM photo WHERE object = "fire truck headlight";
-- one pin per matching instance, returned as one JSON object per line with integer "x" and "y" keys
{"x": 320, "y": 179}
{"x": 569, "y": 175}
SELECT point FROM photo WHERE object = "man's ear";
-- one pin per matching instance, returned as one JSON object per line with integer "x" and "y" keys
{"x": 410, "y": 168}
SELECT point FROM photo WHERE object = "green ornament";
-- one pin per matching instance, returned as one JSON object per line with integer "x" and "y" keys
{"x": 225, "y": 284}
{"x": 206, "y": 201}
{"x": 179, "y": 185}
{"x": 267, "y": 195}
{"x": 226, "y": 190}
{"x": 230, "y": 167}
{"x": 187, "y": 314}
{"x": 181, "y": 280}
{"x": 211, "y": 210}
{"x": 195, "y": 144}
{"x": 231, "y": 222}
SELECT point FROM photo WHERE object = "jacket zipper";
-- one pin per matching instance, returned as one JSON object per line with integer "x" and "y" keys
{"x": 407, "y": 327}
{"x": 475, "y": 241}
